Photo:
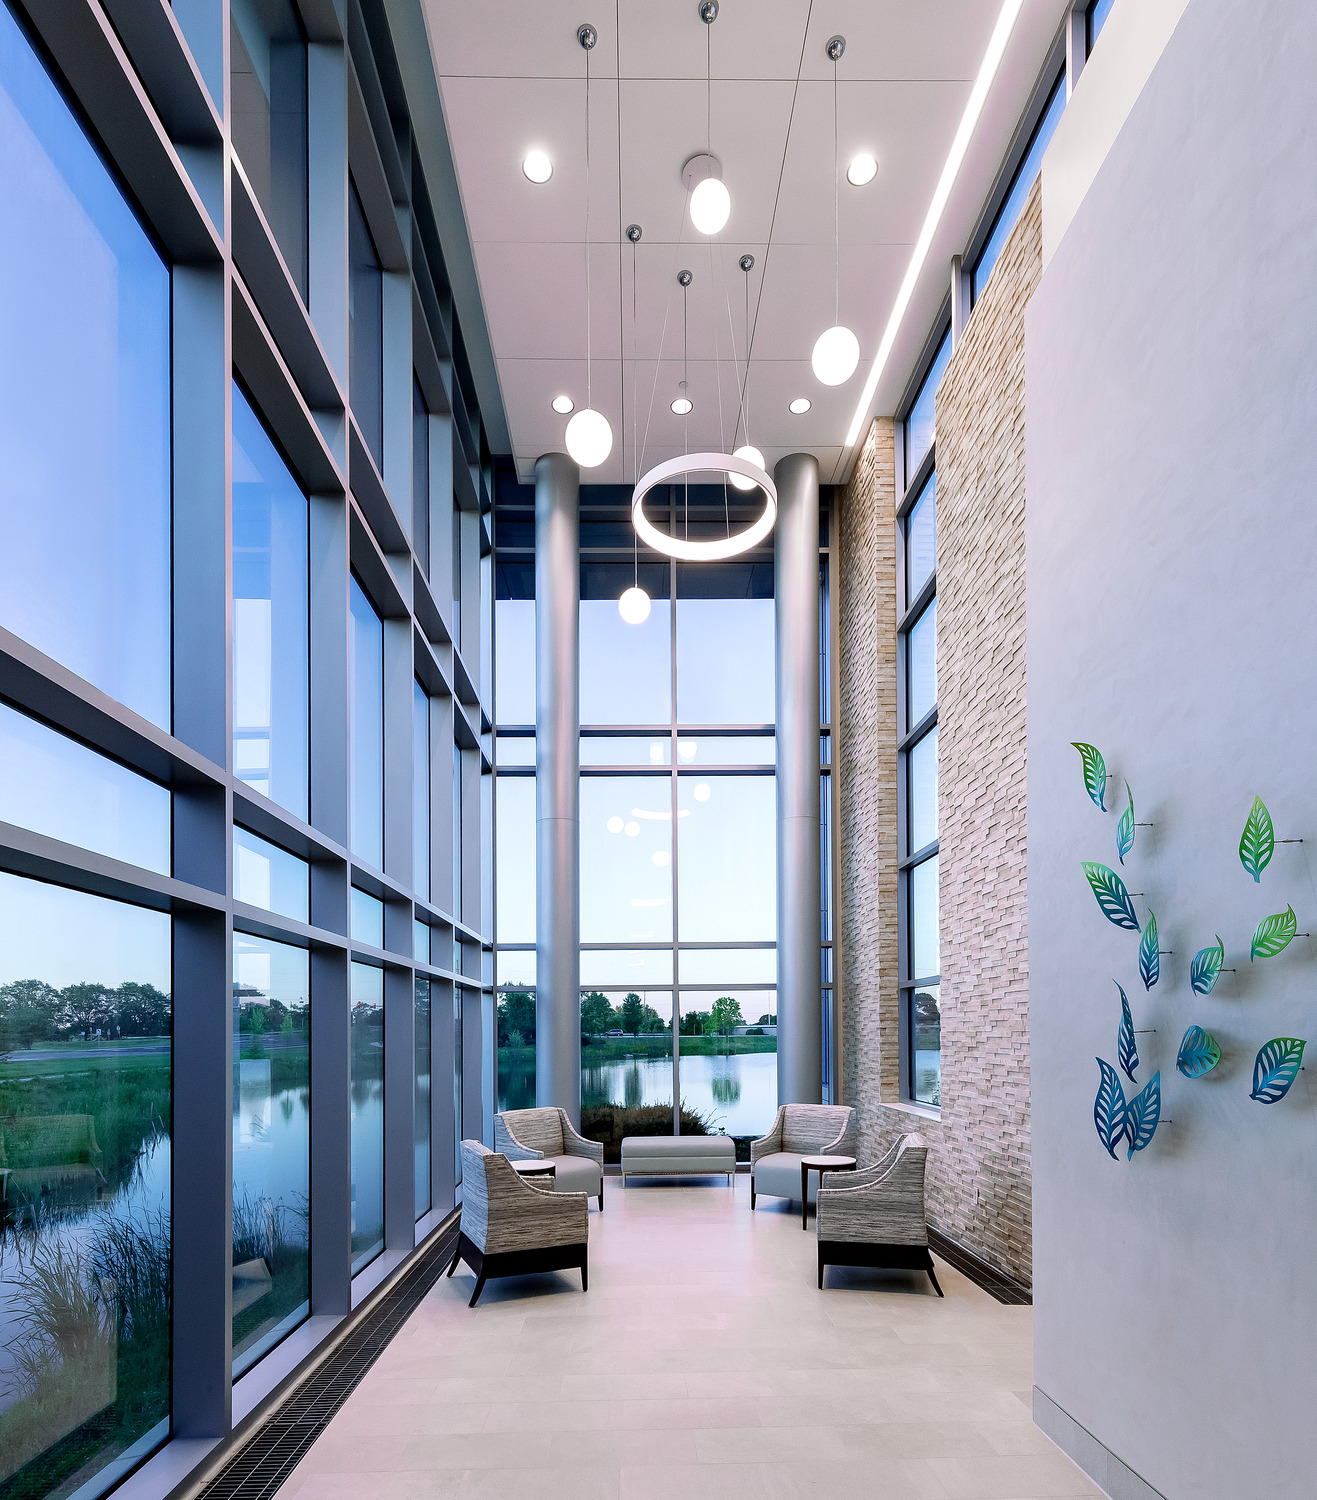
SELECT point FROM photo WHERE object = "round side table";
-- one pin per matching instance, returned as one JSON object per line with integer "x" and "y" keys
{"x": 819, "y": 1164}
{"x": 535, "y": 1169}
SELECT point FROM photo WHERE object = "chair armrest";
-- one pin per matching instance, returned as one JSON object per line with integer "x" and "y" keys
{"x": 877, "y": 1169}
{"x": 768, "y": 1144}
{"x": 506, "y": 1144}
{"x": 844, "y": 1144}
{"x": 579, "y": 1145}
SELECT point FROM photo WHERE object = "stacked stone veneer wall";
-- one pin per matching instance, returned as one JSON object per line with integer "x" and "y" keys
{"x": 979, "y": 1163}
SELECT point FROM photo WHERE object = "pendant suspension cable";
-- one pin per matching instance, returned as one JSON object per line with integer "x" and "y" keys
{"x": 836, "y": 215}
{"x": 621, "y": 291}
{"x": 589, "y": 396}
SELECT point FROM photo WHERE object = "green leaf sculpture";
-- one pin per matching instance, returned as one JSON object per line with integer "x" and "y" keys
{"x": 1199, "y": 1053}
{"x": 1258, "y": 841}
{"x": 1206, "y": 967}
{"x": 1150, "y": 963}
{"x": 1095, "y": 772}
{"x": 1125, "y": 828}
{"x": 1273, "y": 934}
{"x": 1112, "y": 896}
{"x": 1276, "y": 1067}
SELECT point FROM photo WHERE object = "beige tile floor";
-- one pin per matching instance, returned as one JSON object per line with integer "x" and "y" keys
{"x": 702, "y": 1362}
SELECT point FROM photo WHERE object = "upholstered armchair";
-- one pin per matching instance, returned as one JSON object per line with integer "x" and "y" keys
{"x": 875, "y": 1217}
{"x": 799, "y": 1130}
{"x": 510, "y": 1227}
{"x": 548, "y": 1135}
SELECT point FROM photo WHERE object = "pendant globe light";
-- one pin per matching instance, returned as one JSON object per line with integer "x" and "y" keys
{"x": 589, "y": 436}
{"x": 836, "y": 351}
{"x": 710, "y": 203}
{"x": 748, "y": 449}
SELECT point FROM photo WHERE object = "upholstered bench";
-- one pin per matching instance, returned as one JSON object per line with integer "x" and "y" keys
{"x": 678, "y": 1156}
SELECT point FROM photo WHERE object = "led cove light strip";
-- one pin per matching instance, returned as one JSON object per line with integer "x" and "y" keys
{"x": 973, "y": 109}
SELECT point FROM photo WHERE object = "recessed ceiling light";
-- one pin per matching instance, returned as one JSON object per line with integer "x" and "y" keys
{"x": 863, "y": 169}
{"x": 537, "y": 166}
{"x": 799, "y": 406}
{"x": 563, "y": 404}
{"x": 681, "y": 406}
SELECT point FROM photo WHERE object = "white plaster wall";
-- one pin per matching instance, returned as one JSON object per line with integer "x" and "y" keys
{"x": 1172, "y": 621}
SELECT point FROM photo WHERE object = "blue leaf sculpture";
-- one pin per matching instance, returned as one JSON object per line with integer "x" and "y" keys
{"x": 1276, "y": 1068}
{"x": 1142, "y": 1115}
{"x": 1125, "y": 828}
{"x": 1199, "y": 1053}
{"x": 1095, "y": 772}
{"x": 1150, "y": 963}
{"x": 1112, "y": 896}
{"x": 1126, "y": 1047}
{"x": 1206, "y": 967}
{"x": 1109, "y": 1109}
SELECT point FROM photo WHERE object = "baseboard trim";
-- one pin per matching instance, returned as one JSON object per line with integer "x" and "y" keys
{"x": 981, "y": 1272}
{"x": 1111, "y": 1474}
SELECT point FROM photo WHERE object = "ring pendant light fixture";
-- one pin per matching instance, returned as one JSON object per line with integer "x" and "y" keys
{"x": 589, "y": 436}
{"x": 704, "y": 463}
{"x": 836, "y": 351}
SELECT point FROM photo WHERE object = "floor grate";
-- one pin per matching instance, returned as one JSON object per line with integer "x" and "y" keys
{"x": 255, "y": 1470}
{"x": 996, "y": 1283}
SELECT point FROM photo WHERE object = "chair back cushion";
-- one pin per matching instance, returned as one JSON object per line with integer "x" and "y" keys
{"x": 809, "y": 1128}
{"x": 882, "y": 1210}
{"x": 540, "y": 1129}
{"x": 475, "y": 1194}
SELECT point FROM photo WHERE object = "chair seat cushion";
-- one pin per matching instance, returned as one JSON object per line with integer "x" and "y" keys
{"x": 778, "y": 1176}
{"x": 576, "y": 1174}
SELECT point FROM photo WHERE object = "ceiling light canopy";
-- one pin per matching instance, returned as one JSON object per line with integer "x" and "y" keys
{"x": 800, "y": 406}
{"x": 589, "y": 438}
{"x": 836, "y": 354}
{"x": 563, "y": 404}
{"x": 537, "y": 166}
{"x": 739, "y": 481}
{"x": 633, "y": 606}
{"x": 862, "y": 170}
{"x": 703, "y": 551}
{"x": 681, "y": 406}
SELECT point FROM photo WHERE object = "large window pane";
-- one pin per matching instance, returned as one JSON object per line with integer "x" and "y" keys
{"x": 725, "y": 661}
{"x": 368, "y": 1037}
{"x": 921, "y": 770}
{"x": 616, "y": 750}
{"x": 365, "y": 329}
{"x": 420, "y": 791}
{"x": 626, "y": 670}
{"x": 366, "y": 919}
{"x": 727, "y": 750}
{"x": 514, "y": 661}
{"x": 366, "y": 660}
{"x": 728, "y": 966}
{"x": 729, "y": 1077}
{"x": 630, "y": 967}
{"x": 422, "y": 1101}
{"x": 84, "y": 402}
{"x": 85, "y": 1031}
{"x": 271, "y": 1144}
{"x": 727, "y": 853}
{"x": 926, "y": 1048}
{"x": 921, "y": 540}
{"x": 626, "y": 1065}
{"x": 265, "y": 875}
{"x": 1098, "y": 11}
{"x": 921, "y": 666}
{"x": 919, "y": 421}
{"x": 514, "y": 852}
{"x": 516, "y": 1048}
{"x": 267, "y": 81}
{"x": 458, "y": 820}
{"x": 53, "y": 785}
{"x": 420, "y": 477}
{"x": 626, "y": 859}
{"x": 925, "y": 946}
{"x": 270, "y": 618}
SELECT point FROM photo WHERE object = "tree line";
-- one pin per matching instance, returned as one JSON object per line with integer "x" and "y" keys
{"x": 633, "y": 1017}
{"x": 33, "y": 1011}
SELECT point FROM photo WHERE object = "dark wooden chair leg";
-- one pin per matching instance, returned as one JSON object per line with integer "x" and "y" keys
{"x": 822, "y": 1269}
{"x": 457, "y": 1255}
{"x": 601, "y": 1194}
{"x": 480, "y": 1287}
{"x": 585, "y": 1275}
{"x": 752, "y": 1192}
{"x": 933, "y": 1278}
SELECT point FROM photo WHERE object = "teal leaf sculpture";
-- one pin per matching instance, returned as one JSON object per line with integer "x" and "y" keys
{"x": 1206, "y": 967}
{"x": 1126, "y": 1047}
{"x": 1095, "y": 773}
{"x": 1276, "y": 1068}
{"x": 1199, "y": 1053}
{"x": 1150, "y": 964}
{"x": 1258, "y": 841}
{"x": 1109, "y": 1109}
{"x": 1273, "y": 933}
{"x": 1112, "y": 896}
{"x": 1142, "y": 1115}
{"x": 1125, "y": 828}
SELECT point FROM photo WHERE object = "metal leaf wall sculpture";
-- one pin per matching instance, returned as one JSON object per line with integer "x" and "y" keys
{"x": 1095, "y": 773}
{"x": 1273, "y": 933}
{"x": 1109, "y": 1109}
{"x": 1112, "y": 896}
{"x": 1206, "y": 967}
{"x": 1125, "y": 828}
{"x": 1142, "y": 1115}
{"x": 1126, "y": 1048}
{"x": 1199, "y": 1053}
{"x": 1150, "y": 964}
{"x": 1276, "y": 1067}
{"x": 1258, "y": 841}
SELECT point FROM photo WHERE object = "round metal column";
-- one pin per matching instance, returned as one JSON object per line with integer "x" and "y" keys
{"x": 557, "y": 785}
{"x": 799, "y": 831}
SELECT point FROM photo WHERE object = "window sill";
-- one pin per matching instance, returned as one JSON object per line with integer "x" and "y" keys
{"x": 908, "y": 1107}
